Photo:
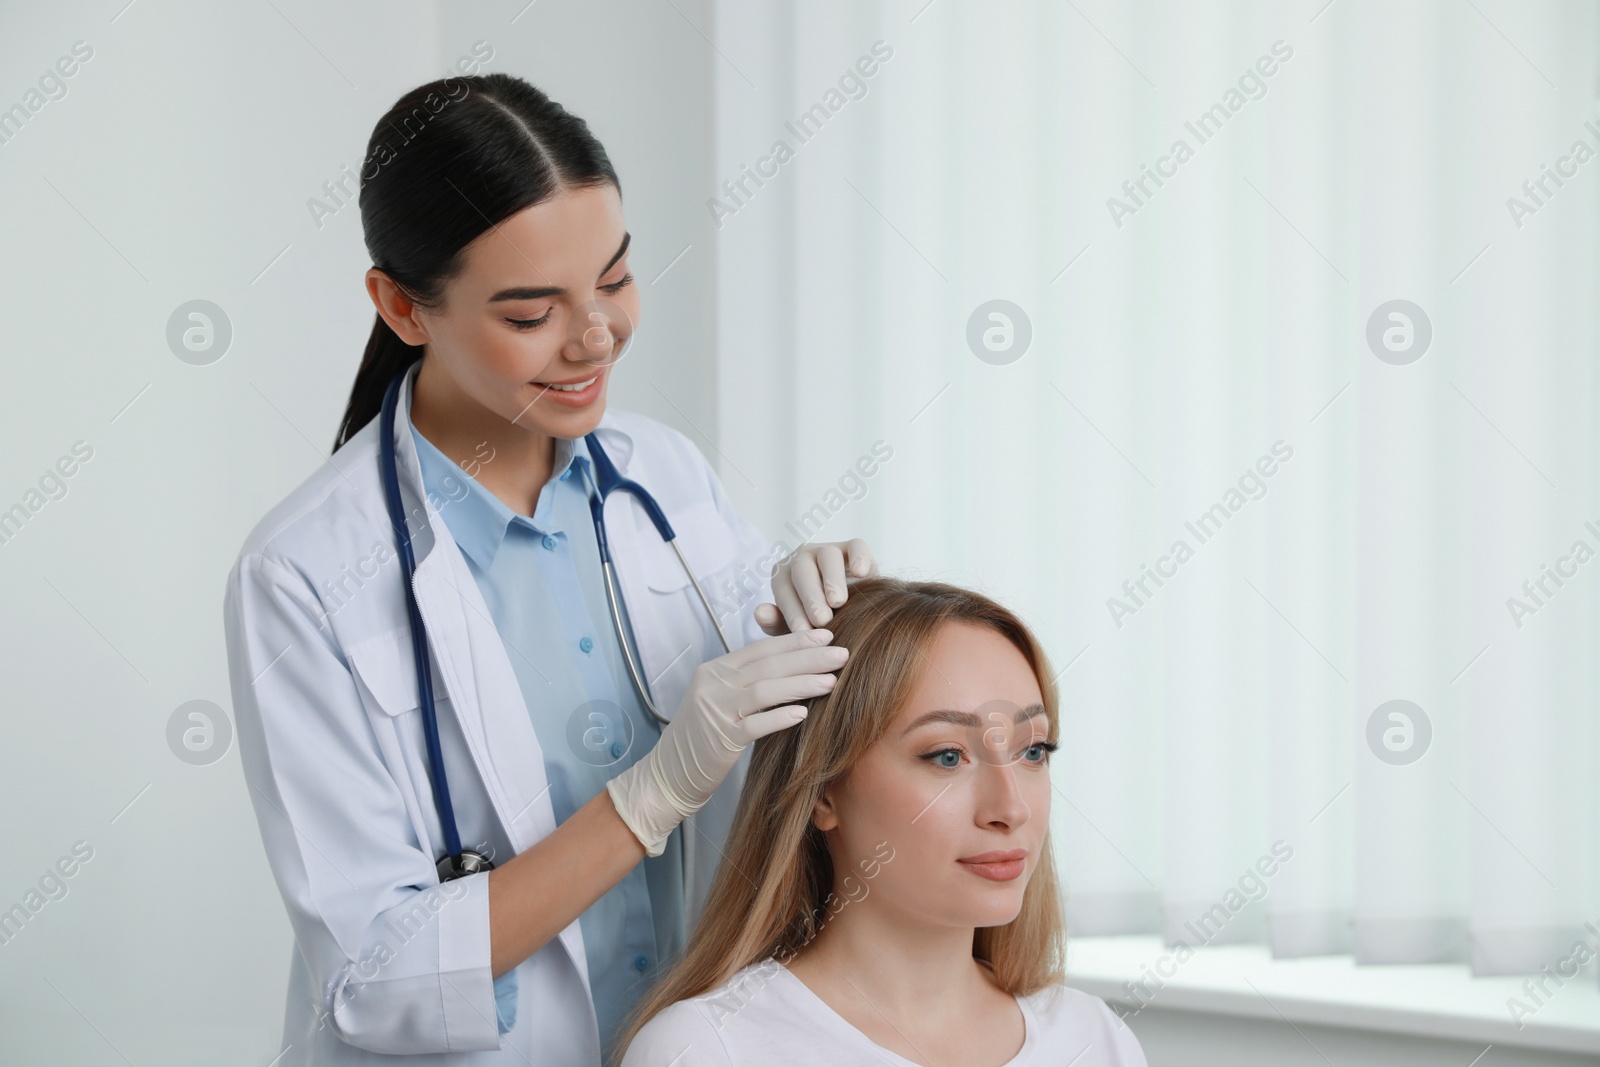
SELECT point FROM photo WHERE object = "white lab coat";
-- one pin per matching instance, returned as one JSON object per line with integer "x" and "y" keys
{"x": 387, "y": 961}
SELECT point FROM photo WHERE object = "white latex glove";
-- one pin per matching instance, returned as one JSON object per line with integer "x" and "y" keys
{"x": 810, "y": 583}
{"x": 723, "y": 710}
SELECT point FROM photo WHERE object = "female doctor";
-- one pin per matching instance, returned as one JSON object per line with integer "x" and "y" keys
{"x": 486, "y": 851}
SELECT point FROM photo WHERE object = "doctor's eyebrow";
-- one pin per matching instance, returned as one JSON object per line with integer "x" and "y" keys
{"x": 556, "y": 290}
{"x": 967, "y": 718}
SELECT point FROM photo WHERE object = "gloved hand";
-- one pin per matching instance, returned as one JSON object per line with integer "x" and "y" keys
{"x": 811, "y": 581}
{"x": 724, "y": 709}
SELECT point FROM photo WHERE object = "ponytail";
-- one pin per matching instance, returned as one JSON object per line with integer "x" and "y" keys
{"x": 386, "y": 356}
{"x": 473, "y": 152}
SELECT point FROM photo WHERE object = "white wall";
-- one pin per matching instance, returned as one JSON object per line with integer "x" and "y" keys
{"x": 176, "y": 167}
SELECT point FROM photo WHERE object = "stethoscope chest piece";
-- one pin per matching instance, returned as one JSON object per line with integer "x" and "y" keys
{"x": 469, "y": 862}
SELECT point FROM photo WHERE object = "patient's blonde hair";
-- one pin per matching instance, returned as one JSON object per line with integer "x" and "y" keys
{"x": 777, "y": 876}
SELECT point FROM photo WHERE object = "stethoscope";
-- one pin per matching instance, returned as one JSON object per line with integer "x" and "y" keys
{"x": 459, "y": 862}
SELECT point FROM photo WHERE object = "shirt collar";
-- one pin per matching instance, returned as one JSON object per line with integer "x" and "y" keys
{"x": 478, "y": 520}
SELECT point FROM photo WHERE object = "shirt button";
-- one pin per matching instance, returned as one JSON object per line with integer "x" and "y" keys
{"x": 616, "y": 750}
{"x": 641, "y": 963}
{"x": 549, "y": 541}
{"x": 586, "y": 644}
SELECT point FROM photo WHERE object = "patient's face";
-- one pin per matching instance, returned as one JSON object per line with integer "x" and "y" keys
{"x": 957, "y": 791}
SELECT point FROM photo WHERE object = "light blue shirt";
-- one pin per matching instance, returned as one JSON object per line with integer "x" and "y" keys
{"x": 541, "y": 580}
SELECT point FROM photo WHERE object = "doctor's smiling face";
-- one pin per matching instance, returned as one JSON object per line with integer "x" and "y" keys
{"x": 958, "y": 786}
{"x": 529, "y": 328}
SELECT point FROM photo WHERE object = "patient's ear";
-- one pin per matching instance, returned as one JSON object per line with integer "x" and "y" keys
{"x": 823, "y": 814}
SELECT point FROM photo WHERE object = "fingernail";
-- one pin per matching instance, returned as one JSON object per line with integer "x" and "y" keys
{"x": 822, "y": 636}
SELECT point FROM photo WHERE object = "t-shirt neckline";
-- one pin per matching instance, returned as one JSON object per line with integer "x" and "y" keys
{"x": 1030, "y": 1025}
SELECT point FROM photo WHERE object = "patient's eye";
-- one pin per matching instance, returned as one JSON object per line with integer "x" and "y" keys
{"x": 948, "y": 758}
{"x": 1038, "y": 752}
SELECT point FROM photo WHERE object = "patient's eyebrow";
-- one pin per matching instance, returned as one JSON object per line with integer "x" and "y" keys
{"x": 967, "y": 718}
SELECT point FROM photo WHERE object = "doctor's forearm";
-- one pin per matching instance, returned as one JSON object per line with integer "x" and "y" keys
{"x": 534, "y": 896}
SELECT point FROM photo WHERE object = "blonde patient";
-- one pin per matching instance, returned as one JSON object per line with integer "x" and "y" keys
{"x": 888, "y": 893}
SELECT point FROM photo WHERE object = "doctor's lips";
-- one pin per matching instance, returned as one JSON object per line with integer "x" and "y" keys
{"x": 566, "y": 392}
{"x": 997, "y": 866}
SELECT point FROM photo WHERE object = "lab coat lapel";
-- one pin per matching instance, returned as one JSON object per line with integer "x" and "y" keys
{"x": 477, "y": 674}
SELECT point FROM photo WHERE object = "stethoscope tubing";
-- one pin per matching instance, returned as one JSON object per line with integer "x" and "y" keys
{"x": 458, "y": 862}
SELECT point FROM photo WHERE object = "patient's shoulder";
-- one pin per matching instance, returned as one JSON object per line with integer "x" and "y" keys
{"x": 735, "y": 1023}
{"x": 1080, "y": 1023}
{"x": 682, "y": 1035}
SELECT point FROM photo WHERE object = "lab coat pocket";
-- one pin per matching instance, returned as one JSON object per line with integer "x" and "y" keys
{"x": 386, "y": 670}
{"x": 386, "y": 678}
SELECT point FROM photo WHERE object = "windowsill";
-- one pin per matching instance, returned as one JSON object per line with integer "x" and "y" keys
{"x": 1434, "y": 1000}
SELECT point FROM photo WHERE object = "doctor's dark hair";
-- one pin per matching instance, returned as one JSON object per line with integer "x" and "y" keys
{"x": 448, "y": 162}
{"x": 773, "y": 890}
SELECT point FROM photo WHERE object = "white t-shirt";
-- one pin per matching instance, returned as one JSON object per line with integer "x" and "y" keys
{"x": 764, "y": 1016}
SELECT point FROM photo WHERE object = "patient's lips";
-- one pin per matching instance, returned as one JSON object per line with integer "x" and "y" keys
{"x": 998, "y": 865}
